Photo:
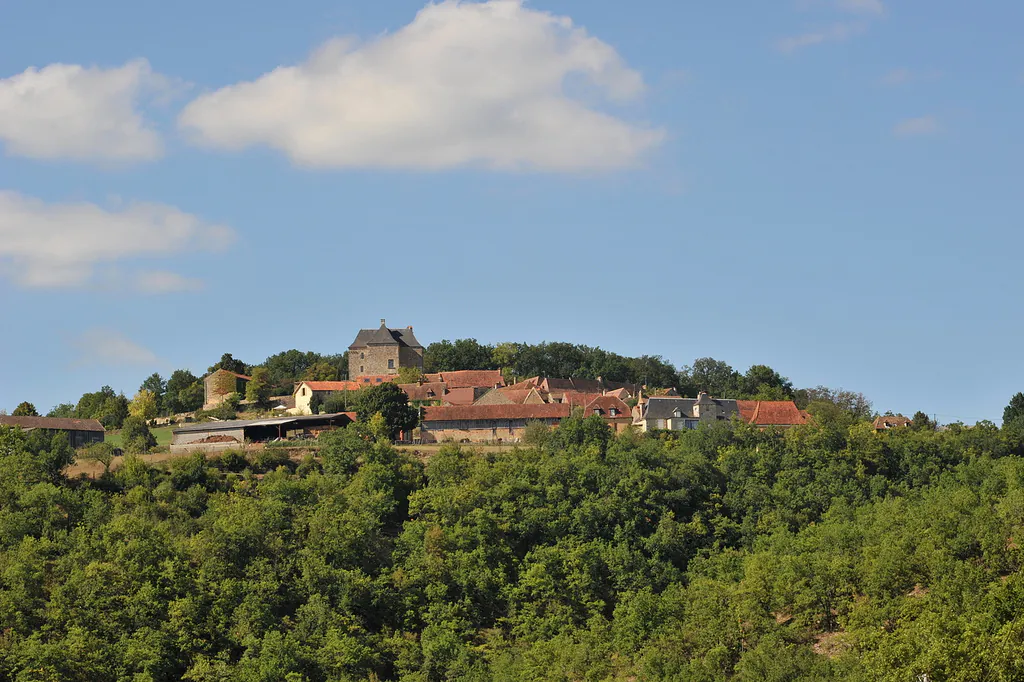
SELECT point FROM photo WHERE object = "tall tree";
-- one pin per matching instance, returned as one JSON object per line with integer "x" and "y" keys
{"x": 143, "y": 405}
{"x": 184, "y": 392}
{"x": 229, "y": 363}
{"x": 1015, "y": 410}
{"x": 25, "y": 409}
{"x": 258, "y": 389}
{"x": 156, "y": 385}
{"x": 712, "y": 376}
{"x": 391, "y": 402}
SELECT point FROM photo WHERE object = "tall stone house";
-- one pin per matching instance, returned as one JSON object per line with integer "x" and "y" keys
{"x": 220, "y": 384}
{"x": 383, "y": 351}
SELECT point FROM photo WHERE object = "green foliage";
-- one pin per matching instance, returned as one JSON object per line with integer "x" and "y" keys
{"x": 25, "y": 409}
{"x": 99, "y": 452}
{"x": 1015, "y": 410}
{"x": 136, "y": 435}
{"x": 409, "y": 375}
{"x": 257, "y": 390}
{"x": 825, "y": 552}
{"x": 226, "y": 409}
{"x": 184, "y": 392}
{"x": 108, "y": 407}
{"x": 388, "y": 400}
{"x": 230, "y": 364}
{"x": 64, "y": 410}
{"x": 143, "y": 405}
{"x": 156, "y": 385}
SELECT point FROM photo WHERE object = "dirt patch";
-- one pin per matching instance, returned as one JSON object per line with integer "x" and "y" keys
{"x": 831, "y": 644}
{"x": 217, "y": 439}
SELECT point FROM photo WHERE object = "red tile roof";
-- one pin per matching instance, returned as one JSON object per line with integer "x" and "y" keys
{"x": 468, "y": 378}
{"x": 492, "y": 412}
{"x": 432, "y": 391}
{"x": 330, "y": 385}
{"x": 606, "y": 403}
{"x": 52, "y": 423}
{"x": 461, "y": 396}
{"x": 771, "y": 412}
{"x": 892, "y": 421}
{"x": 532, "y": 382}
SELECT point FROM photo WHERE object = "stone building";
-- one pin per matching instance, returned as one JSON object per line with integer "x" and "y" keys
{"x": 220, "y": 384}
{"x": 383, "y": 351}
{"x": 81, "y": 432}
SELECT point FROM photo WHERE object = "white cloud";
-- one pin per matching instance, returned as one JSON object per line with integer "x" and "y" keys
{"x": 904, "y": 76}
{"x": 491, "y": 84}
{"x": 862, "y": 6}
{"x": 109, "y": 347}
{"x": 923, "y": 125}
{"x": 162, "y": 282}
{"x": 831, "y": 34}
{"x": 61, "y": 245}
{"x": 70, "y": 111}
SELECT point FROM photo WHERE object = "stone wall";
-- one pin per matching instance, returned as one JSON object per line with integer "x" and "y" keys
{"x": 373, "y": 360}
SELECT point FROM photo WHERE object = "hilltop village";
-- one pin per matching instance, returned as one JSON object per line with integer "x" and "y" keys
{"x": 469, "y": 406}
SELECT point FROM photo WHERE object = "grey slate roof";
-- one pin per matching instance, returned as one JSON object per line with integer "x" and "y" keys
{"x": 664, "y": 408}
{"x": 51, "y": 423}
{"x": 232, "y": 424}
{"x": 383, "y": 336}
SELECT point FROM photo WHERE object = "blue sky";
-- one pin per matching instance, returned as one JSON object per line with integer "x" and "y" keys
{"x": 830, "y": 187}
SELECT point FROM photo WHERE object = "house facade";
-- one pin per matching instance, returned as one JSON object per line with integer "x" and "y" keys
{"x": 671, "y": 413}
{"x": 81, "y": 432}
{"x": 383, "y": 351}
{"x": 220, "y": 384}
{"x": 486, "y": 423}
{"x": 306, "y": 390}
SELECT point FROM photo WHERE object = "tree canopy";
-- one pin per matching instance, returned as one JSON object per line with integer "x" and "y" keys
{"x": 826, "y": 552}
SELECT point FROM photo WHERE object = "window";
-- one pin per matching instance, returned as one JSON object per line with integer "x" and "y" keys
{"x": 677, "y": 413}
{"x": 391, "y": 364}
{"x": 361, "y": 357}
{"x": 360, "y": 369}
{"x": 303, "y": 390}
{"x": 612, "y": 411}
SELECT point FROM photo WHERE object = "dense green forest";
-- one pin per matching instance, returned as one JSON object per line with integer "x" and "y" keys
{"x": 828, "y": 551}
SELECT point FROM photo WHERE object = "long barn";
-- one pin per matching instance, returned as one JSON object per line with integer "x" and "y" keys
{"x": 81, "y": 432}
{"x": 223, "y": 435}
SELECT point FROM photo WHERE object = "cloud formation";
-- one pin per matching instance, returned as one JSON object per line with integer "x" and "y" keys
{"x": 862, "y": 6}
{"x": 837, "y": 32}
{"x": 70, "y": 111}
{"x": 109, "y": 347}
{"x": 490, "y": 84}
{"x": 62, "y": 245}
{"x": 922, "y": 125}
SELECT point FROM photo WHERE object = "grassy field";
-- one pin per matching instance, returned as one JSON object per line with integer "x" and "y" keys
{"x": 162, "y": 435}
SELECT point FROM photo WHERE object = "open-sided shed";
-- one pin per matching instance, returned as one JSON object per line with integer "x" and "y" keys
{"x": 222, "y": 435}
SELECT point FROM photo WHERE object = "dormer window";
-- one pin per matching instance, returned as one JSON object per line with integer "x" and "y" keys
{"x": 677, "y": 413}
{"x": 612, "y": 411}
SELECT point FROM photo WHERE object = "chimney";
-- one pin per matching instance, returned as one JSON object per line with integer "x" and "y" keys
{"x": 382, "y": 322}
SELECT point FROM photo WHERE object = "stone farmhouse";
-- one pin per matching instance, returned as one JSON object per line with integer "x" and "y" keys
{"x": 673, "y": 413}
{"x": 383, "y": 351}
{"x": 220, "y": 384}
{"x": 81, "y": 432}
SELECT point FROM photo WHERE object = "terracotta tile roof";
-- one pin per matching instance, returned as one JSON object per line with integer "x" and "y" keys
{"x": 329, "y": 385}
{"x": 516, "y": 395}
{"x": 532, "y": 382}
{"x": 575, "y": 398}
{"x": 771, "y": 412}
{"x": 433, "y": 391}
{"x": 461, "y": 396}
{"x": 892, "y": 422}
{"x": 607, "y": 403}
{"x": 492, "y": 412}
{"x": 53, "y": 423}
{"x": 468, "y": 378}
